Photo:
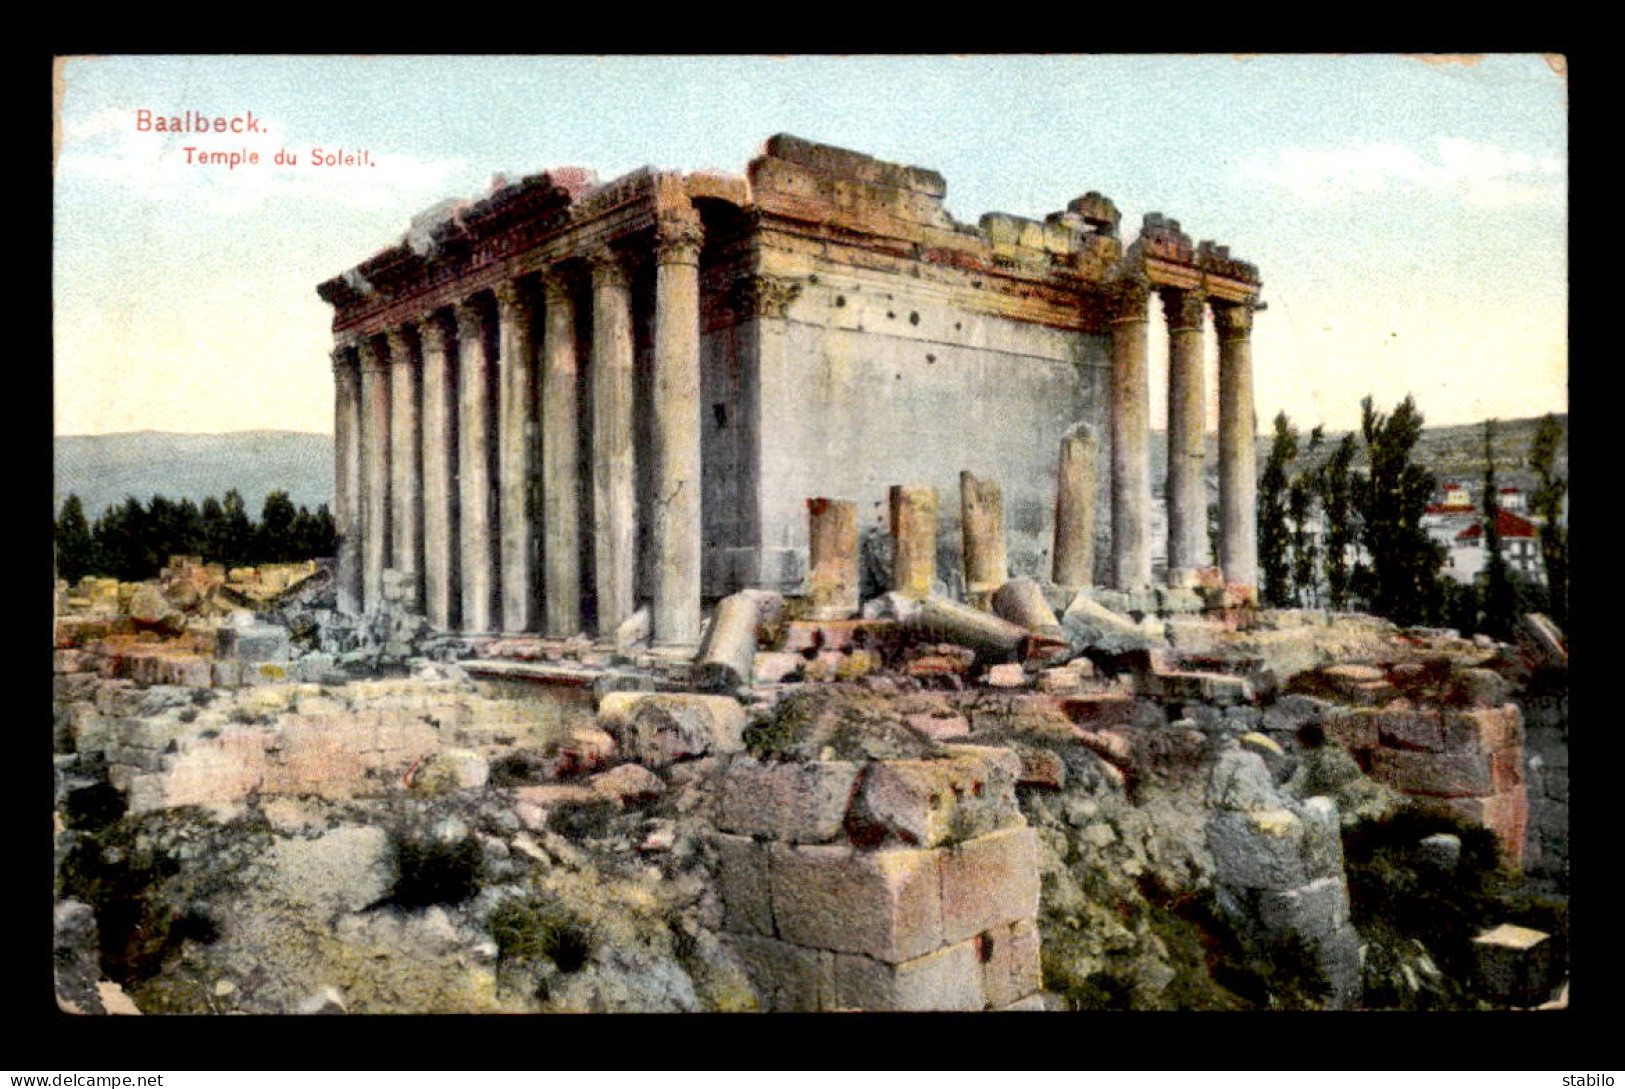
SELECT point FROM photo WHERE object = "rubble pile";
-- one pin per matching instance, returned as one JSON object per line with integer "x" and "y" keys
{"x": 926, "y": 806}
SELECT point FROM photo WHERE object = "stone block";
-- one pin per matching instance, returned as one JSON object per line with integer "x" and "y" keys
{"x": 938, "y": 727}
{"x": 1005, "y": 675}
{"x": 192, "y": 672}
{"x": 1095, "y": 710}
{"x": 774, "y": 667}
{"x": 665, "y": 727}
{"x": 743, "y": 877}
{"x": 883, "y": 904}
{"x": 924, "y": 803}
{"x": 1009, "y": 957}
{"x": 1220, "y": 688}
{"x": 1322, "y": 838}
{"x": 254, "y": 642}
{"x": 792, "y": 802}
{"x": 226, "y": 674}
{"x": 1359, "y": 684}
{"x": 628, "y": 784}
{"x": 1436, "y": 774}
{"x": 1485, "y": 728}
{"x": 989, "y": 880}
{"x": 1481, "y": 687}
{"x": 946, "y": 979}
{"x": 1314, "y": 910}
{"x": 1041, "y": 767}
{"x": 1262, "y": 849}
{"x": 1241, "y": 781}
{"x": 1353, "y": 728}
{"x": 1516, "y": 964}
{"x": 787, "y": 978}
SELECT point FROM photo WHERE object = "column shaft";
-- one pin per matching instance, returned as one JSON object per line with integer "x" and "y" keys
{"x": 347, "y": 479}
{"x": 1187, "y": 454}
{"x": 514, "y": 444}
{"x": 561, "y": 478}
{"x": 832, "y": 560}
{"x": 439, "y": 474}
{"x": 1238, "y": 479}
{"x": 981, "y": 523}
{"x": 914, "y": 539}
{"x": 676, "y": 536}
{"x": 405, "y": 479}
{"x": 1131, "y": 449}
{"x": 477, "y": 543}
{"x": 375, "y": 476}
{"x": 1075, "y": 510}
{"x": 614, "y": 463}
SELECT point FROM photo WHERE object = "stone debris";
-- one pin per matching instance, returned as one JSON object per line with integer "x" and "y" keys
{"x": 917, "y": 808}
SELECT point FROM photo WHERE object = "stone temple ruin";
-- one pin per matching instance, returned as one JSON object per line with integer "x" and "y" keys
{"x": 658, "y": 670}
{"x": 555, "y": 404}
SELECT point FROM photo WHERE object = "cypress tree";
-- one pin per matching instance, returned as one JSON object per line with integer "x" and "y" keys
{"x": 75, "y": 547}
{"x": 1337, "y": 507}
{"x": 1547, "y": 503}
{"x": 1274, "y": 536}
{"x": 1401, "y": 580}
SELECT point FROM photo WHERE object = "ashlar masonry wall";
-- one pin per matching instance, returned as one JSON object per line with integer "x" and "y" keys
{"x": 886, "y": 885}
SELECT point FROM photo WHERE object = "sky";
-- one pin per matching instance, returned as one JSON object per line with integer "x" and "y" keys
{"x": 1408, "y": 216}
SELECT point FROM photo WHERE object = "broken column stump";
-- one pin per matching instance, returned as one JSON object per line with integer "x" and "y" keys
{"x": 1075, "y": 510}
{"x": 914, "y": 539}
{"x": 730, "y": 649}
{"x": 981, "y": 521}
{"x": 832, "y": 576}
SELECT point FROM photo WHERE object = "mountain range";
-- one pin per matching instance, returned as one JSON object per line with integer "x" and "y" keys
{"x": 104, "y": 470}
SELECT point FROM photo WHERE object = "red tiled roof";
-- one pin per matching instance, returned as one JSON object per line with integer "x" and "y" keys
{"x": 1507, "y": 524}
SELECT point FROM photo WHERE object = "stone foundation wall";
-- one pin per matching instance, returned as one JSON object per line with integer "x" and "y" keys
{"x": 1459, "y": 744}
{"x": 888, "y": 885}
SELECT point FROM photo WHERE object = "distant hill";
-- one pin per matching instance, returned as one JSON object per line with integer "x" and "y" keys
{"x": 104, "y": 470}
{"x": 1455, "y": 452}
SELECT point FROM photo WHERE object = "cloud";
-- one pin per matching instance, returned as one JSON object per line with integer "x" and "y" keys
{"x": 1477, "y": 175}
{"x": 105, "y": 149}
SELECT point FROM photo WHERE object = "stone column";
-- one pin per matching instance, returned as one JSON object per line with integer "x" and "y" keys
{"x": 1187, "y": 453}
{"x": 981, "y": 523}
{"x": 676, "y": 404}
{"x": 1131, "y": 448}
{"x": 914, "y": 539}
{"x": 1074, "y": 566}
{"x": 832, "y": 562}
{"x": 477, "y": 544}
{"x": 614, "y": 463}
{"x": 1238, "y": 478}
{"x": 439, "y": 474}
{"x": 347, "y": 477}
{"x": 514, "y": 443}
{"x": 374, "y": 475}
{"x": 561, "y": 478}
{"x": 405, "y": 477}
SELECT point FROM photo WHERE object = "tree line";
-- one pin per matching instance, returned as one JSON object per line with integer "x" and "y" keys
{"x": 1374, "y": 554}
{"x": 132, "y": 541}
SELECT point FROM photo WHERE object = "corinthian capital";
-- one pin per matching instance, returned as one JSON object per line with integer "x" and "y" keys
{"x": 555, "y": 286}
{"x": 1183, "y": 308}
{"x": 608, "y": 267}
{"x": 1129, "y": 299}
{"x": 678, "y": 239}
{"x": 508, "y": 296}
{"x": 1233, "y": 320}
{"x": 400, "y": 348}
{"x": 764, "y": 296}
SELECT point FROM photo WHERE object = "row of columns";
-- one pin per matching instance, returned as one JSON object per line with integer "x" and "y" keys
{"x": 1186, "y": 483}
{"x": 437, "y": 445}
